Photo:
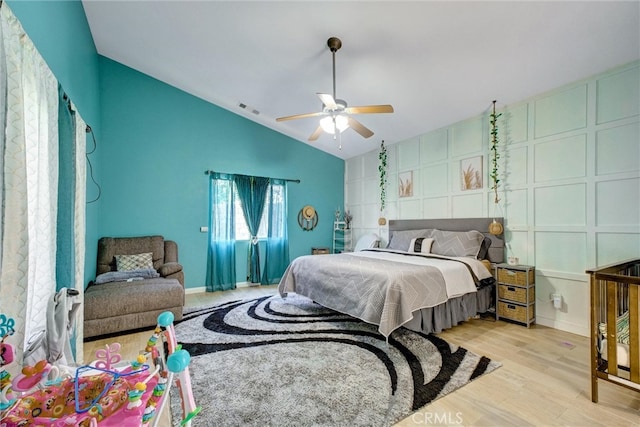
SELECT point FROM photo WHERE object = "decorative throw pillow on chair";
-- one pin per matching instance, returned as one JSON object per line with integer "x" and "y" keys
{"x": 134, "y": 262}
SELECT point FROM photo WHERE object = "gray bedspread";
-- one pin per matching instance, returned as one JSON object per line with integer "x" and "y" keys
{"x": 378, "y": 291}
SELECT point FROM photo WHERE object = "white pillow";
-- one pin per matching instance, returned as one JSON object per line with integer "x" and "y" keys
{"x": 421, "y": 245}
{"x": 367, "y": 241}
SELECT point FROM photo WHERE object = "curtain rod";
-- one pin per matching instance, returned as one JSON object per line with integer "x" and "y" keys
{"x": 297, "y": 181}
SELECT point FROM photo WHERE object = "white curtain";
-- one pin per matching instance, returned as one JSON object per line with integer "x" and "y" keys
{"x": 29, "y": 183}
{"x": 79, "y": 222}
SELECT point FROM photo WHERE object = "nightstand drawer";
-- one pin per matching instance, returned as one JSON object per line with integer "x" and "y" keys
{"x": 515, "y": 277}
{"x": 516, "y": 312}
{"x": 516, "y": 294}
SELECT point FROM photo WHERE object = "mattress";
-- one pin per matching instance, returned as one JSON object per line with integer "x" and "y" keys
{"x": 622, "y": 353}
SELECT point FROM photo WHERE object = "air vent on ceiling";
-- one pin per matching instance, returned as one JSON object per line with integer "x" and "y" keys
{"x": 248, "y": 108}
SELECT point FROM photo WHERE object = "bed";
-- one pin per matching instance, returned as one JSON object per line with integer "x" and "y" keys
{"x": 615, "y": 325}
{"x": 427, "y": 279}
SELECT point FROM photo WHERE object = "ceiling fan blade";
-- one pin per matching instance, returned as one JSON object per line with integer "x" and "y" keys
{"x": 299, "y": 116}
{"x": 369, "y": 109}
{"x": 360, "y": 128}
{"x": 328, "y": 101}
{"x": 316, "y": 134}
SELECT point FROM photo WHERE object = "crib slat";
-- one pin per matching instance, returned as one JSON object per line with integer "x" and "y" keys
{"x": 615, "y": 291}
{"x": 596, "y": 304}
{"x": 612, "y": 339}
{"x": 634, "y": 341}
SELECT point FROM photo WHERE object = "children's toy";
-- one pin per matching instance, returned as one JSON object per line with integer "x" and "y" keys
{"x": 104, "y": 393}
{"x": 7, "y": 356}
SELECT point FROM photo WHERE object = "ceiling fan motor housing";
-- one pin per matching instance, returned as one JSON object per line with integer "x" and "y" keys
{"x": 334, "y": 44}
{"x": 341, "y": 105}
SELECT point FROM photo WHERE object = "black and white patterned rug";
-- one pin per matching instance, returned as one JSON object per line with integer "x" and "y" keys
{"x": 290, "y": 362}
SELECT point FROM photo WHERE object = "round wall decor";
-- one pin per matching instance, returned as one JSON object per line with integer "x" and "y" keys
{"x": 307, "y": 218}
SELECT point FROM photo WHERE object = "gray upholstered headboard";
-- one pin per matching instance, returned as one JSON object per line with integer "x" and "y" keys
{"x": 496, "y": 251}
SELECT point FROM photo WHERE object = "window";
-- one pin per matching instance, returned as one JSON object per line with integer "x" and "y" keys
{"x": 241, "y": 228}
{"x": 228, "y": 225}
{"x": 223, "y": 213}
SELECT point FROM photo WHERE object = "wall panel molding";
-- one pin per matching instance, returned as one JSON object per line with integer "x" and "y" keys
{"x": 570, "y": 173}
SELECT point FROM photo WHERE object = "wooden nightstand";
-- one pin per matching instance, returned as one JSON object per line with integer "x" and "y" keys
{"x": 319, "y": 251}
{"x": 516, "y": 293}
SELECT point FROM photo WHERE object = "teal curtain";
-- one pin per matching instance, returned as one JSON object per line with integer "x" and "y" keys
{"x": 221, "y": 259}
{"x": 252, "y": 192}
{"x": 277, "y": 251}
{"x": 65, "y": 250}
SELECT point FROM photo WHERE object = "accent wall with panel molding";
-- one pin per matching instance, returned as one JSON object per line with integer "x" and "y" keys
{"x": 569, "y": 173}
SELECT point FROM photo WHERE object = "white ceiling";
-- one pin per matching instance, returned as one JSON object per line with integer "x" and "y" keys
{"x": 436, "y": 62}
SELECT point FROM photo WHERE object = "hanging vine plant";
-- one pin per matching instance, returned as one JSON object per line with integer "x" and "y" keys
{"x": 493, "y": 120}
{"x": 382, "y": 168}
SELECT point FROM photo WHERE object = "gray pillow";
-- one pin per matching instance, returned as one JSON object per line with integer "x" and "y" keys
{"x": 456, "y": 243}
{"x": 400, "y": 240}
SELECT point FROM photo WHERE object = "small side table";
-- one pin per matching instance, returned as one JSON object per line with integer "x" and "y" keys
{"x": 319, "y": 251}
{"x": 516, "y": 293}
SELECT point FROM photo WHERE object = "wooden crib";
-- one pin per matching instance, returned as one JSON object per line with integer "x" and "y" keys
{"x": 615, "y": 346}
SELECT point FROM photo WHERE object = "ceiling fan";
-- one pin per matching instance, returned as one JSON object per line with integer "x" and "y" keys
{"x": 337, "y": 115}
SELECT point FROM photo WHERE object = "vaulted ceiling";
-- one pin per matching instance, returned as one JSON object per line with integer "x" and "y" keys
{"x": 436, "y": 62}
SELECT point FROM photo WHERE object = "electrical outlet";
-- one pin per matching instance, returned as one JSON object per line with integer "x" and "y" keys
{"x": 204, "y": 229}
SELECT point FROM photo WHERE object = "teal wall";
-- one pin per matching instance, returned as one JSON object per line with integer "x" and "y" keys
{"x": 156, "y": 143}
{"x": 60, "y": 31}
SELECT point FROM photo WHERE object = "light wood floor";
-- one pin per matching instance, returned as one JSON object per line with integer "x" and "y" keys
{"x": 544, "y": 379}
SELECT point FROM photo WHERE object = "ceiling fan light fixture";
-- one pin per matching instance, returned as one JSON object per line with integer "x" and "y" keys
{"x": 341, "y": 123}
{"x": 337, "y": 116}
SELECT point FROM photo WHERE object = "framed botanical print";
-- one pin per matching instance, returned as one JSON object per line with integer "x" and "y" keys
{"x": 405, "y": 184}
{"x": 471, "y": 173}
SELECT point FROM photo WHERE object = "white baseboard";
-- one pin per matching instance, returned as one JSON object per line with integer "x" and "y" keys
{"x": 202, "y": 289}
{"x": 198, "y": 290}
{"x": 244, "y": 285}
{"x": 563, "y": 326}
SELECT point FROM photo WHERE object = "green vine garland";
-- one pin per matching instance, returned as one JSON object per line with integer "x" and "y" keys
{"x": 493, "y": 120}
{"x": 382, "y": 168}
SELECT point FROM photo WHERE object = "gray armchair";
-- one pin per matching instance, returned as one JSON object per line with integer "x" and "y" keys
{"x": 118, "y": 306}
